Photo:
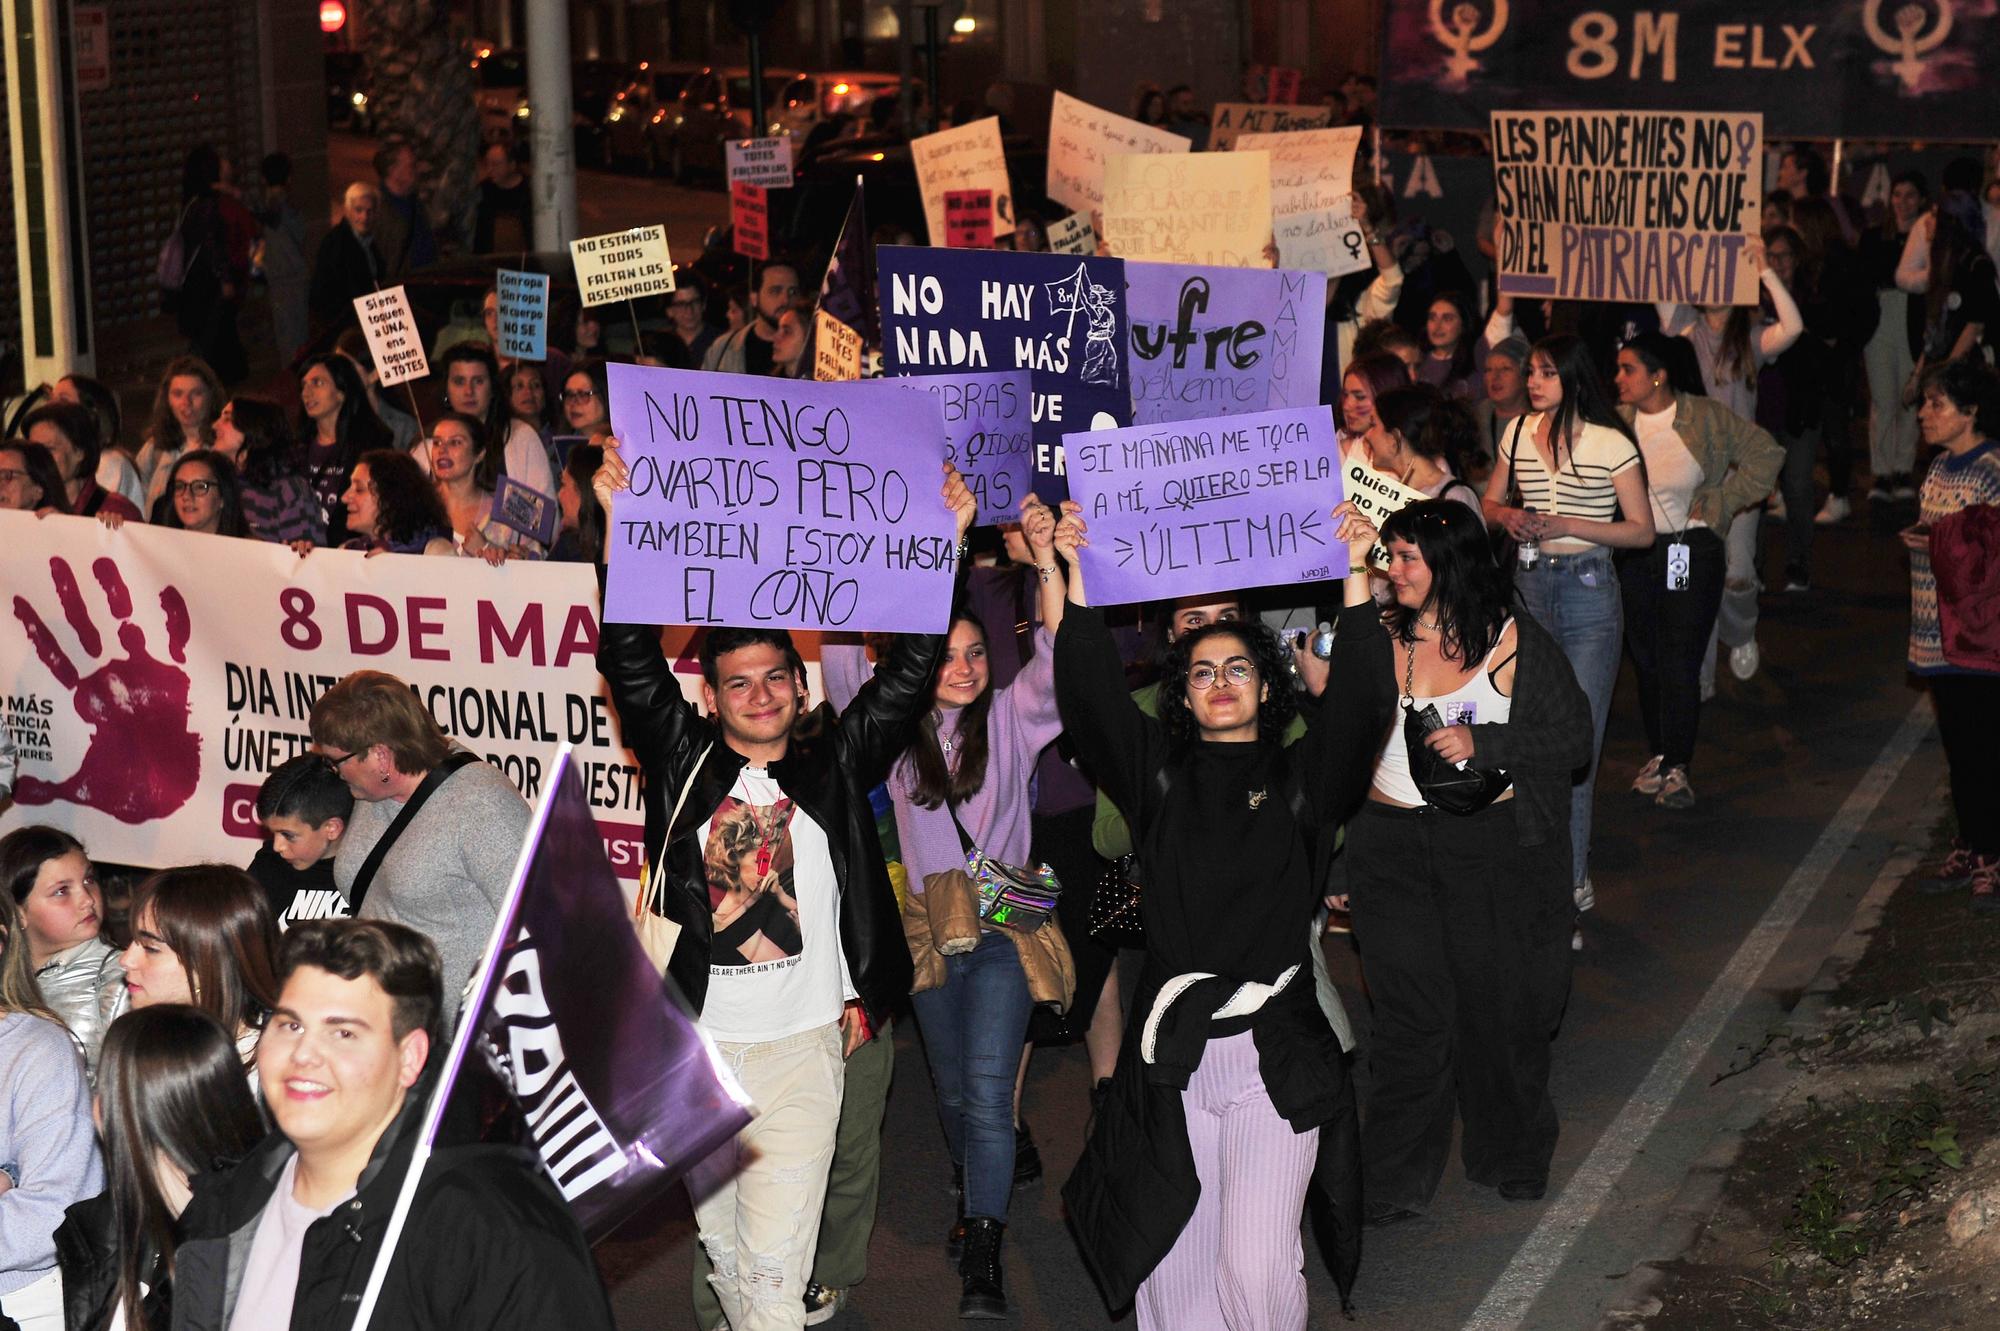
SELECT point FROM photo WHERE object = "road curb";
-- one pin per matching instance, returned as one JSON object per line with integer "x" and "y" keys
{"x": 1696, "y": 1201}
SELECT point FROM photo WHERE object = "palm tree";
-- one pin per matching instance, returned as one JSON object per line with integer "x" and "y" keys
{"x": 422, "y": 93}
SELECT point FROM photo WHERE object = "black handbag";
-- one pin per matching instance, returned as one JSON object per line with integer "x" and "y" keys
{"x": 1114, "y": 905}
{"x": 1446, "y": 786}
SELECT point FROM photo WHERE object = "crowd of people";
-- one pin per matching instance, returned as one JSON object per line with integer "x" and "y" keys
{"x": 210, "y": 1096}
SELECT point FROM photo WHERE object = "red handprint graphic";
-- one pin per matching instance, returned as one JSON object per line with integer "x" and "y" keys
{"x": 143, "y": 761}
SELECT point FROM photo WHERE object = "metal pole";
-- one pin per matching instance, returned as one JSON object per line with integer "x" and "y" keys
{"x": 51, "y": 255}
{"x": 757, "y": 119}
{"x": 549, "y": 107}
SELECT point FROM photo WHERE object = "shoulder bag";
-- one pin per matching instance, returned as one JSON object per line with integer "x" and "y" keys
{"x": 657, "y": 933}
{"x": 436, "y": 777}
{"x": 1446, "y": 786}
{"x": 1115, "y": 920}
{"x": 1010, "y": 897}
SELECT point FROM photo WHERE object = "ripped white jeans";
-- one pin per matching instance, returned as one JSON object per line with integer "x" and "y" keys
{"x": 758, "y": 1198}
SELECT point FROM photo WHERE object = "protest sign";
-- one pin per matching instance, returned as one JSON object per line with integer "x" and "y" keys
{"x": 393, "y": 339}
{"x": 1312, "y": 181}
{"x": 1060, "y": 317}
{"x": 968, "y": 219}
{"x": 1628, "y": 205}
{"x": 528, "y": 511}
{"x": 1282, "y": 84}
{"x": 622, "y": 265}
{"x": 1326, "y": 241}
{"x": 1081, "y": 137}
{"x": 765, "y": 163}
{"x": 1072, "y": 235}
{"x": 1377, "y": 495}
{"x": 965, "y": 157}
{"x": 523, "y": 314}
{"x": 162, "y": 674}
{"x": 778, "y": 503}
{"x": 836, "y": 349}
{"x": 1223, "y": 341}
{"x": 987, "y": 436}
{"x": 750, "y": 220}
{"x": 1229, "y": 119}
{"x": 1212, "y": 208}
{"x": 1187, "y": 508}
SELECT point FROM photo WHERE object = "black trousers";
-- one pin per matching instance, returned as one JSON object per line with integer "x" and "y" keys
{"x": 1464, "y": 939}
{"x": 1667, "y": 634}
{"x": 1968, "y": 714}
{"x": 1062, "y": 841}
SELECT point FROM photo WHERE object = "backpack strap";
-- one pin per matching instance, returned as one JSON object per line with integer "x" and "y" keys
{"x": 436, "y": 777}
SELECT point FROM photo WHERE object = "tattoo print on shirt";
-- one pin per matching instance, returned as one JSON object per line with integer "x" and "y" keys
{"x": 748, "y": 863}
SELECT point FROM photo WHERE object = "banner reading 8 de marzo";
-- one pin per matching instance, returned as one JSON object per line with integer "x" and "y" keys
{"x": 150, "y": 679}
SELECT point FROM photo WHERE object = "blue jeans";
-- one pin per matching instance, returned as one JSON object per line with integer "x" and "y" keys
{"x": 973, "y": 1027}
{"x": 1576, "y": 598}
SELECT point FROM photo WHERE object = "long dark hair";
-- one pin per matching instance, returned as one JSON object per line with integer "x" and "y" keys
{"x": 933, "y": 780}
{"x": 223, "y": 470}
{"x": 407, "y": 503}
{"x": 1469, "y": 334}
{"x": 1274, "y": 711}
{"x": 168, "y": 1083}
{"x": 40, "y": 464}
{"x": 1433, "y": 424}
{"x": 1915, "y": 180}
{"x": 217, "y": 919}
{"x": 357, "y": 429}
{"x": 1585, "y": 400}
{"x": 1672, "y": 355}
{"x": 488, "y": 452}
{"x": 1470, "y": 598}
{"x": 581, "y": 466}
{"x": 270, "y": 450}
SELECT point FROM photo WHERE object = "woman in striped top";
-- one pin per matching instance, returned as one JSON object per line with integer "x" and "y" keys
{"x": 1581, "y": 494}
{"x": 278, "y": 501}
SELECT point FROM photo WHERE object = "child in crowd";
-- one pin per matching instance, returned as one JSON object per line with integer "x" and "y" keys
{"x": 54, "y": 888}
{"x": 305, "y": 806}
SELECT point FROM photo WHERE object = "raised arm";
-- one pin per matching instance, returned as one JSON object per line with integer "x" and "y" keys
{"x": 1913, "y": 270}
{"x": 1345, "y": 734}
{"x": 1777, "y": 336}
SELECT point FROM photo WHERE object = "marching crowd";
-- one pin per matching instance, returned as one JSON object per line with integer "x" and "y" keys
{"x": 206, "y": 1104}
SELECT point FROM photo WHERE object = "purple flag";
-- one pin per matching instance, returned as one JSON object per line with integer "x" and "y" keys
{"x": 1190, "y": 507}
{"x": 1223, "y": 341}
{"x": 847, "y": 292}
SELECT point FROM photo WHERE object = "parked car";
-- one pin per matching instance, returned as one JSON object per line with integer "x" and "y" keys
{"x": 712, "y": 109}
{"x": 825, "y": 187}
{"x": 500, "y": 87}
{"x": 811, "y": 98}
{"x": 646, "y": 102}
{"x": 596, "y": 86}
{"x": 347, "y": 84}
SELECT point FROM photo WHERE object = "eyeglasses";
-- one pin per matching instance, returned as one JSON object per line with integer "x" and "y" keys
{"x": 1236, "y": 670}
{"x": 689, "y": 303}
{"x": 10, "y": 476}
{"x": 196, "y": 488}
{"x": 334, "y": 760}
{"x": 578, "y": 394}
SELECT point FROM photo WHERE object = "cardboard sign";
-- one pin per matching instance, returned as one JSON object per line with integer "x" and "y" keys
{"x": 1378, "y": 495}
{"x": 1058, "y": 316}
{"x": 393, "y": 339}
{"x": 1081, "y": 137}
{"x": 1187, "y": 508}
{"x": 987, "y": 436}
{"x": 1328, "y": 241}
{"x": 1229, "y": 119}
{"x": 765, "y": 163}
{"x": 750, "y": 220}
{"x": 526, "y": 510}
{"x": 1312, "y": 182}
{"x": 968, "y": 219}
{"x": 836, "y": 349}
{"x": 1628, "y": 205}
{"x": 779, "y": 503}
{"x": 1072, "y": 235}
{"x": 523, "y": 314}
{"x": 1209, "y": 208}
{"x": 1223, "y": 341}
{"x": 622, "y": 265}
{"x": 966, "y": 157}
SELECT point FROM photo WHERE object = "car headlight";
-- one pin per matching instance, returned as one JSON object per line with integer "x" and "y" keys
{"x": 359, "y": 99}
{"x": 521, "y": 113}
{"x": 617, "y": 114}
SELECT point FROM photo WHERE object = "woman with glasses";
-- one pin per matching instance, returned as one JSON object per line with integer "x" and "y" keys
{"x": 29, "y": 481}
{"x": 202, "y": 495}
{"x": 688, "y": 308}
{"x": 1463, "y": 920}
{"x": 1191, "y": 1185}
{"x": 586, "y": 400}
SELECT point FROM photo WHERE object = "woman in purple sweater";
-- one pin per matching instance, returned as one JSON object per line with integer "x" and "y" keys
{"x": 971, "y": 765}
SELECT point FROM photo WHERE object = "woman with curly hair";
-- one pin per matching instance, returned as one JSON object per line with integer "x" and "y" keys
{"x": 1190, "y": 1189}
{"x": 184, "y": 410}
{"x": 392, "y": 507}
{"x": 278, "y": 501}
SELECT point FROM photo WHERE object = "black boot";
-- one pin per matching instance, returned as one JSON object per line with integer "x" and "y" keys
{"x": 982, "y": 1297}
{"x": 1027, "y": 1160}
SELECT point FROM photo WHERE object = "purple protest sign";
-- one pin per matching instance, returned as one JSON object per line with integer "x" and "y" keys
{"x": 1189, "y": 507}
{"x": 988, "y": 436}
{"x": 1223, "y": 341}
{"x": 779, "y": 503}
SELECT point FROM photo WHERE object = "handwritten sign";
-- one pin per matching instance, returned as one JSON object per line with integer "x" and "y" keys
{"x": 836, "y": 349}
{"x": 779, "y": 503}
{"x": 1081, "y": 137}
{"x": 987, "y": 436}
{"x": 765, "y": 163}
{"x": 523, "y": 314}
{"x": 393, "y": 339}
{"x": 1628, "y": 205}
{"x": 1378, "y": 495}
{"x": 968, "y": 219}
{"x": 1223, "y": 341}
{"x": 1212, "y": 208}
{"x": 1312, "y": 182}
{"x": 622, "y": 265}
{"x": 526, "y": 510}
{"x": 964, "y": 157}
{"x": 1072, "y": 235}
{"x": 1060, "y": 317}
{"x": 1229, "y": 119}
{"x": 750, "y": 220}
{"x": 1190, "y": 507}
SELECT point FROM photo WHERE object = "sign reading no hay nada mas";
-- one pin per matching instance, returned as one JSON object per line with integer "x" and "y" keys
{"x": 1629, "y": 205}
{"x": 779, "y": 504}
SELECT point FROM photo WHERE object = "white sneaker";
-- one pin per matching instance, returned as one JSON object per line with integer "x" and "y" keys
{"x": 1744, "y": 660}
{"x": 1649, "y": 780}
{"x": 1835, "y": 509}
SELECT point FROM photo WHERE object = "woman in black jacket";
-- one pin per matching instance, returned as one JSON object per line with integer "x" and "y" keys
{"x": 1189, "y": 1191}
{"x": 1463, "y": 921}
{"x": 172, "y": 1103}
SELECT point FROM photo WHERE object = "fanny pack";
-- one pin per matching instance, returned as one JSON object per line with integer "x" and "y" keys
{"x": 1010, "y": 897}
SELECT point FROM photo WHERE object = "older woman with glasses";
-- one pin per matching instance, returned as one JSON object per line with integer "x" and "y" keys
{"x": 586, "y": 399}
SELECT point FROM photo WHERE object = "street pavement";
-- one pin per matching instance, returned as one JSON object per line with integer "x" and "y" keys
{"x": 1678, "y": 893}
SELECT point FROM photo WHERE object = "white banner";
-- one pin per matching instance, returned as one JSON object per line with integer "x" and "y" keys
{"x": 150, "y": 678}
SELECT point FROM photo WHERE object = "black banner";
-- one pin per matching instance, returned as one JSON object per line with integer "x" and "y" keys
{"x": 1817, "y": 69}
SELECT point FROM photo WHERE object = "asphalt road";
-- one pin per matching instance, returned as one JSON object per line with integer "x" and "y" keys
{"x": 1678, "y": 894}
